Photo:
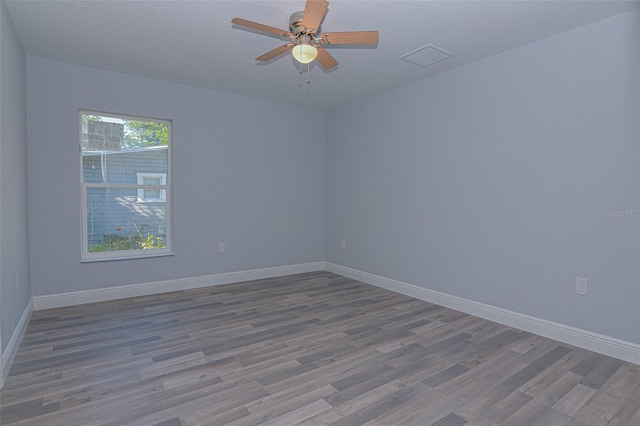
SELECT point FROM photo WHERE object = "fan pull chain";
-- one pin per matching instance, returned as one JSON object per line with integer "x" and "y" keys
{"x": 308, "y": 72}
{"x": 300, "y": 73}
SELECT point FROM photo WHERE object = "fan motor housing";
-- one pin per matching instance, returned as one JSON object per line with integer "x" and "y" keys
{"x": 295, "y": 25}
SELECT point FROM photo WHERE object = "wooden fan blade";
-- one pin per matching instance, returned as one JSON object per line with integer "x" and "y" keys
{"x": 261, "y": 27}
{"x": 325, "y": 59}
{"x": 275, "y": 52}
{"x": 313, "y": 15}
{"x": 350, "y": 37}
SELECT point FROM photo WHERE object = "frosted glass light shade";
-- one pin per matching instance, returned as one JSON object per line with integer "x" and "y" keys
{"x": 304, "y": 53}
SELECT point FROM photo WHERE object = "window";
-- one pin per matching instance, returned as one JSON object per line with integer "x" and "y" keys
{"x": 126, "y": 186}
{"x": 157, "y": 194}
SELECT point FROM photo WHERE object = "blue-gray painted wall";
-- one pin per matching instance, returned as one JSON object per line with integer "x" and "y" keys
{"x": 242, "y": 175}
{"x": 502, "y": 181}
{"x": 14, "y": 234}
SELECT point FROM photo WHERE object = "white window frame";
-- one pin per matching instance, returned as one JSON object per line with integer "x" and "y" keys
{"x": 142, "y": 198}
{"x": 166, "y": 188}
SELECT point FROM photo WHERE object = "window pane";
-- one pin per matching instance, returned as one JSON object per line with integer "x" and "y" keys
{"x": 151, "y": 194}
{"x": 152, "y": 180}
{"x": 117, "y": 221}
{"x": 115, "y": 149}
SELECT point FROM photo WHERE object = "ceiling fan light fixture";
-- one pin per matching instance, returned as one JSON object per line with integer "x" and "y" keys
{"x": 304, "y": 53}
{"x": 306, "y": 41}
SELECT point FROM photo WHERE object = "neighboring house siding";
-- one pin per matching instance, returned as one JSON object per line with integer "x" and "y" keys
{"x": 116, "y": 211}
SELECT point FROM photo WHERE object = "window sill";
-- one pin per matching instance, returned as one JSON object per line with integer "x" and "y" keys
{"x": 133, "y": 256}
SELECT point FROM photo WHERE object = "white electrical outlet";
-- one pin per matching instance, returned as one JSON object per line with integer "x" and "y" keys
{"x": 581, "y": 286}
{"x": 343, "y": 244}
{"x": 222, "y": 248}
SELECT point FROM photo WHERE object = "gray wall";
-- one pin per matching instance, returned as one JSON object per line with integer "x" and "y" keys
{"x": 14, "y": 239}
{"x": 242, "y": 174}
{"x": 501, "y": 181}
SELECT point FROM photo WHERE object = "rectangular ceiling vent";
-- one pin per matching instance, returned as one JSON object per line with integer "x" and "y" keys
{"x": 425, "y": 56}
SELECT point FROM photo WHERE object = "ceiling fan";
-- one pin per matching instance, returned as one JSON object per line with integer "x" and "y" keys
{"x": 306, "y": 43}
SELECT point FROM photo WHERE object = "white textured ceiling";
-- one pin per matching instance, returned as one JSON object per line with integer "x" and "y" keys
{"x": 194, "y": 43}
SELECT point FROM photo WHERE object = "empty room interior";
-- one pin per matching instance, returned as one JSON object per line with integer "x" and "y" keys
{"x": 296, "y": 212}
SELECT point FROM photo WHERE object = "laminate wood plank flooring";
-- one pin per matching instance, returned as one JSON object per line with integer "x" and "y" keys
{"x": 306, "y": 349}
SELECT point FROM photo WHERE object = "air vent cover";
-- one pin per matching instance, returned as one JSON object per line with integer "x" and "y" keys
{"x": 426, "y": 55}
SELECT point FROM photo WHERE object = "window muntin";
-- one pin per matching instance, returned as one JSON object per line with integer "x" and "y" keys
{"x": 126, "y": 191}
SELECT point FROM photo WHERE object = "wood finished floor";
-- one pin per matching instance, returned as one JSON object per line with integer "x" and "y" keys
{"x": 313, "y": 349}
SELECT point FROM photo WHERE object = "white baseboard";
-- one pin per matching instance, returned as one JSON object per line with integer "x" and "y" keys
{"x": 12, "y": 347}
{"x": 145, "y": 289}
{"x": 610, "y": 346}
{"x": 606, "y": 345}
